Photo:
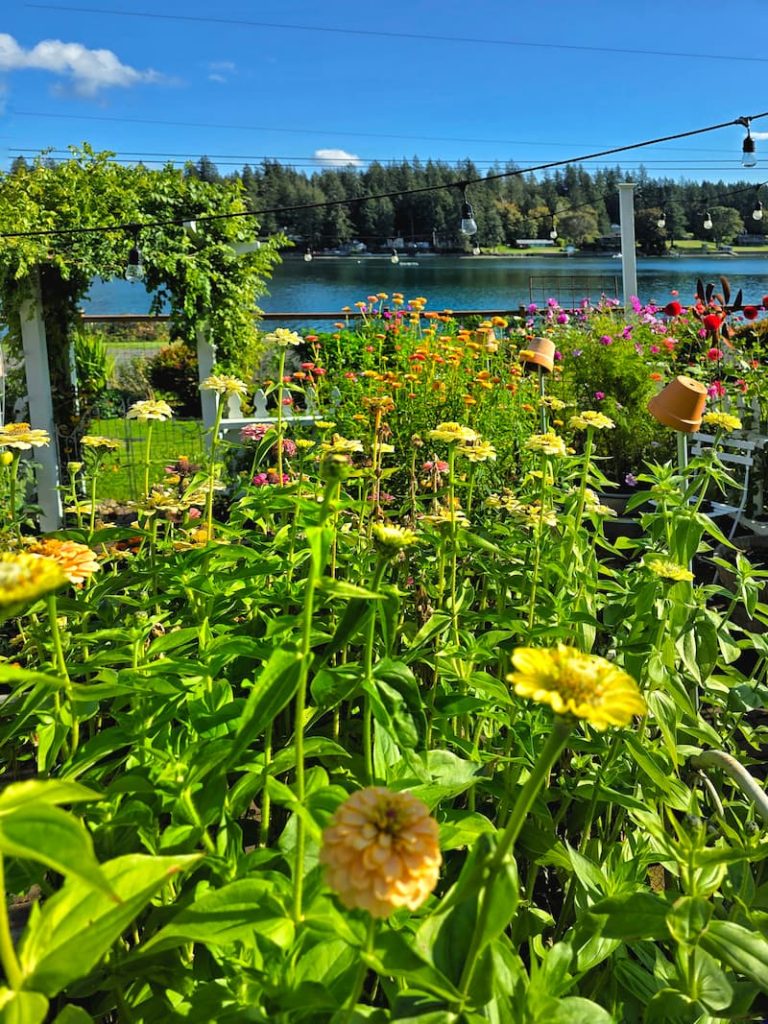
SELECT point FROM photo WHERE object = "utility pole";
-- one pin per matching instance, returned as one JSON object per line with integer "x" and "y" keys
{"x": 628, "y": 254}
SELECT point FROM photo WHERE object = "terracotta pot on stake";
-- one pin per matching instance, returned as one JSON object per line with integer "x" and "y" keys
{"x": 539, "y": 352}
{"x": 680, "y": 405}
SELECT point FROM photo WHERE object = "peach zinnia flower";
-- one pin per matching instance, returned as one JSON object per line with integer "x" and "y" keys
{"x": 381, "y": 852}
{"x": 76, "y": 561}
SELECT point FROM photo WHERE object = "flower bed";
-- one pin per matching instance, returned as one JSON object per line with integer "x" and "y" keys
{"x": 369, "y": 720}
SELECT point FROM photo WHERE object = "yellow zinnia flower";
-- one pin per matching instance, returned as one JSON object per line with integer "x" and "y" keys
{"x": 282, "y": 337}
{"x": 381, "y": 852}
{"x": 721, "y": 421}
{"x": 25, "y": 578}
{"x": 590, "y": 418}
{"x": 150, "y": 409}
{"x": 547, "y": 444}
{"x": 77, "y": 561}
{"x": 573, "y": 683}
{"x": 99, "y": 443}
{"x": 223, "y": 384}
{"x": 391, "y": 539}
{"x": 481, "y": 451}
{"x": 339, "y": 445}
{"x": 22, "y": 437}
{"x": 666, "y": 569}
{"x": 452, "y": 433}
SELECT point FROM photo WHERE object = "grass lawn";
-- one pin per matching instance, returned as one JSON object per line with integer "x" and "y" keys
{"x": 169, "y": 441}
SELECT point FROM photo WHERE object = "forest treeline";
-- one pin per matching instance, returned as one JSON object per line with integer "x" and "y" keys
{"x": 579, "y": 205}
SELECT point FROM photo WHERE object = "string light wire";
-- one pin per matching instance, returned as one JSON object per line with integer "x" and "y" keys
{"x": 132, "y": 226}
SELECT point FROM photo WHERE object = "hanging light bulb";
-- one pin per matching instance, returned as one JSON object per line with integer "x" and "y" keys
{"x": 748, "y": 156}
{"x": 662, "y": 221}
{"x": 757, "y": 213}
{"x": 468, "y": 224}
{"x": 308, "y": 256}
{"x": 476, "y": 248}
{"x": 553, "y": 233}
{"x": 190, "y": 226}
{"x": 134, "y": 270}
{"x": 394, "y": 258}
{"x": 707, "y": 221}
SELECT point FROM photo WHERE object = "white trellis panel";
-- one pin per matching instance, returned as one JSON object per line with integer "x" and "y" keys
{"x": 209, "y": 400}
{"x": 41, "y": 408}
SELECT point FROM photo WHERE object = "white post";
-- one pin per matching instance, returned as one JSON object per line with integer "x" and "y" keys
{"x": 41, "y": 407}
{"x": 209, "y": 400}
{"x": 629, "y": 257}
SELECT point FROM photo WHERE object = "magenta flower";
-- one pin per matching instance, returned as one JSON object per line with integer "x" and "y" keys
{"x": 253, "y": 432}
{"x": 606, "y": 339}
{"x": 562, "y": 318}
{"x": 716, "y": 389}
{"x": 599, "y": 395}
{"x": 532, "y": 308}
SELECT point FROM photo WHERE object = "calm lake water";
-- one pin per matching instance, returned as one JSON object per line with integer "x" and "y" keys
{"x": 327, "y": 284}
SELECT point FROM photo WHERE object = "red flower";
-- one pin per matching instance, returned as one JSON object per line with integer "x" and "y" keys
{"x": 750, "y": 312}
{"x": 673, "y": 309}
{"x": 714, "y": 354}
{"x": 765, "y": 302}
{"x": 712, "y": 322}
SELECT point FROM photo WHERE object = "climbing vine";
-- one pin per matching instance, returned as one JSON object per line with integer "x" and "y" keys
{"x": 197, "y": 272}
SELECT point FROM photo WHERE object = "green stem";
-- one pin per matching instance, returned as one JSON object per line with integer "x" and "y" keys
{"x": 8, "y": 957}
{"x": 92, "y": 519}
{"x": 147, "y": 456}
{"x": 362, "y": 971}
{"x": 212, "y": 470}
{"x": 368, "y": 677}
{"x": 313, "y": 579}
{"x": 553, "y": 748}
{"x": 12, "y": 496}
{"x": 280, "y": 417}
{"x": 537, "y": 550}
{"x": 61, "y": 667}
{"x": 265, "y": 801}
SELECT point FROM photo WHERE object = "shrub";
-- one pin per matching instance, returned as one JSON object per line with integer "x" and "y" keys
{"x": 173, "y": 375}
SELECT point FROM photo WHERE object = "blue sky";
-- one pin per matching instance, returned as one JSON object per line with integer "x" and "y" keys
{"x": 159, "y": 87}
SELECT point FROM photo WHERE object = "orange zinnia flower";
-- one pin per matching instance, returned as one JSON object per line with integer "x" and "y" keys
{"x": 76, "y": 561}
{"x": 381, "y": 852}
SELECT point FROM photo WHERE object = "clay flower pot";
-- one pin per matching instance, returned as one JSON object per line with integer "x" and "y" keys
{"x": 680, "y": 405}
{"x": 539, "y": 352}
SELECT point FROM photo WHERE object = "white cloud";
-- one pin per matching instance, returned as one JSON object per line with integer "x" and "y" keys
{"x": 221, "y": 70}
{"x": 336, "y": 158}
{"x": 88, "y": 71}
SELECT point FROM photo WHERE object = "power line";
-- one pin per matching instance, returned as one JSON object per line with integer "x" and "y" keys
{"x": 300, "y": 131}
{"x": 328, "y": 204}
{"x": 233, "y": 159}
{"x": 380, "y": 34}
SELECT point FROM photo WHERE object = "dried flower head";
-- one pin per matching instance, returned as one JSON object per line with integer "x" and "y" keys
{"x": 381, "y": 852}
{"x": 573, "y": 683}
{"x": 77, "y": 561}
{"x": 150, "y": 409}
{"x": 22, "y": 437}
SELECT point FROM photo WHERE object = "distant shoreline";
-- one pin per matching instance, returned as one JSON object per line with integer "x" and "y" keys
{"x": 524, "y": 255}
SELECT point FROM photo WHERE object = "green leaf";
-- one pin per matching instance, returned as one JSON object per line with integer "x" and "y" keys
{"x": 394, "y": 957}
{"x": 668, "y": 1006}
{"x": 223, "y": 916}
{"x": 712, "y": 988}
{"x": 273, "y": 690}
{"x": 73, "y": 1015}
{"x": 22, "y": 1007}
{"x": 80, "y": 919}
{"x": 575, "y": 1010}
{"x": 44, "y": 791}
{"x": 688, "y": 919}
{"x": 641, "y": 915}
{"x": 744, "y": 951}
{"x": 52, "y": 837}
